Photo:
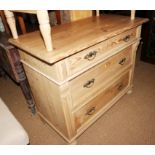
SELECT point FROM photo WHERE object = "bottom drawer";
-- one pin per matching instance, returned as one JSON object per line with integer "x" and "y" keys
{"x": 91, "y": 108}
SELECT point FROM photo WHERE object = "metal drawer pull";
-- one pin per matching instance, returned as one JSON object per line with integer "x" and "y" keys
{"x": 91, "y": 111}
{"x": 122, "y": 61}
{"x": 127, "y": 38}
{"x": 89, "y": 83}
{"x": 120, "y": 87}
{"x": 91, "y": 55}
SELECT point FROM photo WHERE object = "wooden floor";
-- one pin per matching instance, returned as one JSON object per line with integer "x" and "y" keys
{"x": 130, "y": 121}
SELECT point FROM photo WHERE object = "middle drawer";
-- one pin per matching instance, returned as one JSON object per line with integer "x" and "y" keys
{"x": 86, "y": 86}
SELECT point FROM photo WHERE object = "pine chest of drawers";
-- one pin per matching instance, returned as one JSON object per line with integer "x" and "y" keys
{"x": 90, "y": 68}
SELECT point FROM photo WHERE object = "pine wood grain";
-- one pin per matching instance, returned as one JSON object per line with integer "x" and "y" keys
{"x": 65, "y": 86}
{"x": 73, "y": 37}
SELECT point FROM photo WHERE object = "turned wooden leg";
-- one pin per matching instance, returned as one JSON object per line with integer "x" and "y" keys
{"x": 22, "y": 80}
{"x": 7, "y": 30}
{"x": 11, "y": 22}
{"x": 45, "y": 28}
{"x": 24, "y": 85}
{"x": 97, "y": 12}
{"x": 133, "y": 12}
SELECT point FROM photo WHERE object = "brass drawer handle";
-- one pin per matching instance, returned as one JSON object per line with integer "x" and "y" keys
{"x": 127, "y": 38}
{"x": 91, "y": 55}
{"x": 122, "y": 61}
{"x": 120, "y": 87}
{"x": 89, "y": 83}
{"x": 91, "y": 111}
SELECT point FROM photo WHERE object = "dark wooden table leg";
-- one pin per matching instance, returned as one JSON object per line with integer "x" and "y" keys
{"x": 28, "y": 95}
{"x": 22, "y": 80}
{"x": 25, "y": 88}
{"x": 10, "y": 64}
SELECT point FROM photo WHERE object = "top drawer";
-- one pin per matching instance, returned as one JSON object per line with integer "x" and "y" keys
{"x": 74, "y": 65}
{"x": 94, "y": 54}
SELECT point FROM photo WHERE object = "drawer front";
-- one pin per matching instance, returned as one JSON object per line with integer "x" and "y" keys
{"x": 87, "y": 85}
{"x": 99, "y": 102}
{"x": 124, "y": 38}
{"x": 96, "y": 53}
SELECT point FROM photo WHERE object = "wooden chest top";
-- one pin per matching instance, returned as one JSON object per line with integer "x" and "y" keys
{"x": 73, "y": 37}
